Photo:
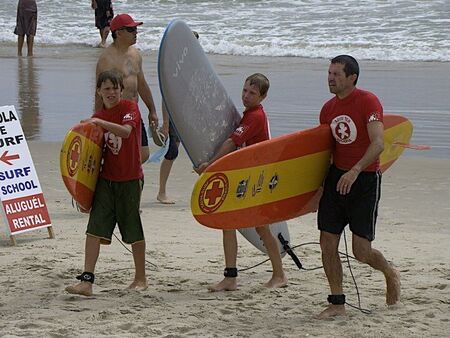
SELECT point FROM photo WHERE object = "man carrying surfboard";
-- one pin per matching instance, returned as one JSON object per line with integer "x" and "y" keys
{"x": 126, "y": 59}
{"x": 352, "y": 187}
{"x": 118, "y": 190}
{"x": 252, "y": 129}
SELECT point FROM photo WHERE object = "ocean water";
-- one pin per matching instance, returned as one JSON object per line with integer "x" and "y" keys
{"x": 398, "y": 30}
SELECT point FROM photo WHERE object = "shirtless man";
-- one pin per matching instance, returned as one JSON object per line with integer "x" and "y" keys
{"x": 126, "y": 59}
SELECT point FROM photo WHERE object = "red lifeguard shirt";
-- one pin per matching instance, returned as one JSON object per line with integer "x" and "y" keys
{"x": 122, "y": 156}
{"x": 252, "y": 129}
{"x": 348, "y": 119}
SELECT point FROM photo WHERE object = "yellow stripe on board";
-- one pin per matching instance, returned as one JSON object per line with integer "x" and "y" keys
{"x": 254, "y": 183}
{"x": 399, "y": 133}
{"x": 88, "y": 162}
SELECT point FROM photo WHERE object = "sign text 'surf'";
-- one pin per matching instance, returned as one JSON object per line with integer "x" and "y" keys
{"x": 20, "y": 192}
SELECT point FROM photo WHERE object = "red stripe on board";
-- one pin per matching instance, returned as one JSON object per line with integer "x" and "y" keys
{"x": 286, "y": 147}
{"x": 278, "y": 149}
{"x": 255, "y": 216}
{"x": 90, "y": 131}
{"x": 80, "y": 193}
{"x": 390, "y": 120}
{"x": 386, "y": 166}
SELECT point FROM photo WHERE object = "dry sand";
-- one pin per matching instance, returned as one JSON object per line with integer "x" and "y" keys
{"x": 412, "y": 231}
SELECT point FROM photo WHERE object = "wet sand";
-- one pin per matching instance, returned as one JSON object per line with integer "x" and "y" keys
{"x": 54, "y": 90}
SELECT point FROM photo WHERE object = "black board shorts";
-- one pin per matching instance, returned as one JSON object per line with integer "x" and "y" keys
{"x": 172, "y": 152}
{"x": 144, "y": 138}
{"x": 103, "y": 14}
{"x": 359, "y": 208}
{"x": 26, "y": 21}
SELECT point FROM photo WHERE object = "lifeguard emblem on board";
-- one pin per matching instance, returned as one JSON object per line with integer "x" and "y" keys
{"x": 73, "y": 155}
{"x": 213, "y": 193}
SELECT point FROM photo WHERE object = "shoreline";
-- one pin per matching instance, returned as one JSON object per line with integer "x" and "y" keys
{"x": 298, "y": 90}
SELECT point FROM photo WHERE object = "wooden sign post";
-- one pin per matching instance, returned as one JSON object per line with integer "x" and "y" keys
{"x": 23, "y": 202}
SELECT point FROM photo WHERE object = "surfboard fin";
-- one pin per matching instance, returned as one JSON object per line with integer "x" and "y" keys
{"x": 289, "y": 251}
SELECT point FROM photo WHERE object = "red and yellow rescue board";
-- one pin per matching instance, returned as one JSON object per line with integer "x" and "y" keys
{"x": 80, "y": 161}
{"x": 397, "y": 134}
{"x": 277, "y": 179}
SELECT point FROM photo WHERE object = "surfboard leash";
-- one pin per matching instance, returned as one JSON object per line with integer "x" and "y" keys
{"x": 291, "y": 248}
{"x": 365, "y": 311}
{"x": 288, "y": 250}
{"x": 77, "y": 206}
{"x": 152, "y": 264}
{"x": 291, "y": 253}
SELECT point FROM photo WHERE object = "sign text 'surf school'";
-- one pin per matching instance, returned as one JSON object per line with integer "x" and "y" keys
{"x": 20, "y": 192}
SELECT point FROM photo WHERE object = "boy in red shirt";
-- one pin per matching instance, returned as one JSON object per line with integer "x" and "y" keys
{"x": 118, "y": 190}
{"x": 252, "y": 129}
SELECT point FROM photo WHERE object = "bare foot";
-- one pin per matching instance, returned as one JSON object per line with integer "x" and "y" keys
{"x": 332, "y": 311}
{"x": 162, "y": 198}
{"x": 277, "y": 282}
{"x": 82, "y": 288}
{"x": 227, "y": 284}
{"x": 138, "y": 285}
{"x": 393, "y": 288}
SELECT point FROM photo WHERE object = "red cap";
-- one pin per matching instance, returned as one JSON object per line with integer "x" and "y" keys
{"x": 123, "y": 20}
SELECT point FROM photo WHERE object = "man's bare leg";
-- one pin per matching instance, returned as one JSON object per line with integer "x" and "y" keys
{"x": 92, "y": 250}
{"x": 393, "y": 288}
{"x": 164, "y": 172}
{"x": 140, "y": 279}
{"x": 102, "y": 42}
{"x": 20, "y": 41}
{"x": 230, "y": 250}
{"x": 333, "y": 270}
{"x": 279, "y": 278}
{"x": 30, "y": 44}
{"x": 364, "y": 253}
{"x": 104, "y": 34}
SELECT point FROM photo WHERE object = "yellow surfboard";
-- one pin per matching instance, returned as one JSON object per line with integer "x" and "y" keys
{"x": 80, "y": 161}
{"x": 277, "y": 179}
{"x": 397, "y": 134}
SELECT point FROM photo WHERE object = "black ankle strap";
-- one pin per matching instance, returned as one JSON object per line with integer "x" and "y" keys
{"x": 230, "y": 272}
{"x": 336, "y": 299}
{"x": 86, "y": 277}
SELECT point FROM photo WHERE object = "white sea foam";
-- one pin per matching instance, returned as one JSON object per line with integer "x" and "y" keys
{"x": 414, "y": 30}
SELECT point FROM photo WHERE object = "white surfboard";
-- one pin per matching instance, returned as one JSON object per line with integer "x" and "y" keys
{"x": 199, "y": 107}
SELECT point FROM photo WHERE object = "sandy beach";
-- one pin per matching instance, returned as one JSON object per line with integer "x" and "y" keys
{"x": 184, "y": 256}
{"x": 412, "y": 232}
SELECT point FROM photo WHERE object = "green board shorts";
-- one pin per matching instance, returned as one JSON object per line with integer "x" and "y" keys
{"x": 116, "y": 203}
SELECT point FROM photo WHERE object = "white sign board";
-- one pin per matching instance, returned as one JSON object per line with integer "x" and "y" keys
{"x": 21, "y": 195}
